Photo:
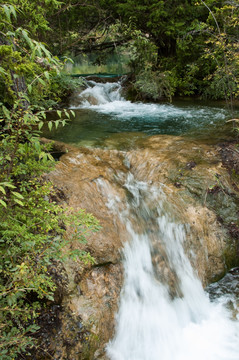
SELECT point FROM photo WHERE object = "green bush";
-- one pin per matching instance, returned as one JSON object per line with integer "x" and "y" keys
{"x": 154, "y": 84}
{"x": 32, "y": 228}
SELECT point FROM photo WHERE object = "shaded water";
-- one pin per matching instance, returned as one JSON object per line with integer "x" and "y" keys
{"x": 154, "y": 321}
{"x": 105, "y": 118}
{"x": 115, "y": 62}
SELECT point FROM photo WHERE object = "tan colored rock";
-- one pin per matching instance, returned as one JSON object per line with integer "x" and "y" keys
{"x": 185, "y": 170}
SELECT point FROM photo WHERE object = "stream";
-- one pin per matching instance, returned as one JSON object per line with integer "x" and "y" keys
{"x": 104, "y": 118}
{"x": 164, "y": 313}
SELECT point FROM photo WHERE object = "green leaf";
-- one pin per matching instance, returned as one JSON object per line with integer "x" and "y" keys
{"x": 40, "y": 125}
{"x": 9, "y": 300}
{"x": 13, "y": 11}
{"x": 33, "y": 53}
{"x": 9, "y": 185}
{"x": 19, "y": 196}
{"x": 29, "y": 88}
{"x": 18, "y": 202}
{"x": 59, "y": 113}
{"x": 10, "y": 33}
{"x": 50, "y": 125}
{"x": 50, "y": 157}
{"x": 47, "y": 53}
{"x": 3, "y": 203}
{"x": 27, "y": 39}
{"x": 2, "y": 190}
{"x": 37, "y": 145}
{"x": 7, "y": 12}
{"x": 42, "y": 155}
{"x": 46, "y": 73}
{"x": 50, "y": 297}
{"x": 2, "y": 71}
{"x": 41, "y": 81}
{"x": 6, "y": 112}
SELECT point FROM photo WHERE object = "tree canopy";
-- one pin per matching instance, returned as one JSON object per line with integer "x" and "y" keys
{"x": 193, "y": 43}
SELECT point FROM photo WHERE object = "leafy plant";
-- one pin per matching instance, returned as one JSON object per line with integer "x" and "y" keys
{"x": 222, "y": 50}
{"x": 154, "y": 84}
{"x": 33, "y": 226}
{"x": 32, "y": 229}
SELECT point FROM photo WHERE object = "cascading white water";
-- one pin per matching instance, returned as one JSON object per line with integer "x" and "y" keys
{"x": 152, "y": 323}
{"x": 107, "y": 98}
{"x": 103, "y": 117}
{"x": 103, "y": 93}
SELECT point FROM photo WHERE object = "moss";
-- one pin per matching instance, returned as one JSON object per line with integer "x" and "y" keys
{"x": 89, "y": 347}
{"x": 231, "y": 255}
{"x": 225, "y": 205}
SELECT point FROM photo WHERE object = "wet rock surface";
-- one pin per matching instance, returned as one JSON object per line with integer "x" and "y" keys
{"x": 202, "y": 196}
{"x": 226, "y": 291}
{"x": 230, "y": 157}
{"x": 189, "y": 171}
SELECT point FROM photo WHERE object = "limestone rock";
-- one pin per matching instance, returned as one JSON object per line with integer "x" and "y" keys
{"x": 186, "y": 170}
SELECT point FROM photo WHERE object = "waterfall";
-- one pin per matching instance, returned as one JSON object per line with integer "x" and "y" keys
{"x": 164, "y": 313}
{"x": 100, "y": 93}
{"x": 106, "y": 104}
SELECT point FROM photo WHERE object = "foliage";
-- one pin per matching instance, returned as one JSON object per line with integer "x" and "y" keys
{"x": 195, "y": 41}
{"x": 30, "y": 15}
{"x": 33, "y": 227}
{"x": 55, "y": 92}
{"x": 154, "y": 85}
{"x": 75, "y": 25}
{"x": 221, "y": 49}
{"x": 175, "y": 47}
{"x": 27, "y": 65}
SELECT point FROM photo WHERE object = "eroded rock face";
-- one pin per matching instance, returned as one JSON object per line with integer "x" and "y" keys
{"x": 187, "y": 171}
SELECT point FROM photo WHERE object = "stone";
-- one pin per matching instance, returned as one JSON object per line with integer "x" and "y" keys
{"x": 186, "y": 170}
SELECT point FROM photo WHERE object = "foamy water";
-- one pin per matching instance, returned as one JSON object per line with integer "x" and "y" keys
{"x": 102, "y": 113}
{"x": 151, "y": 324}
{"x": 106, "y": 98}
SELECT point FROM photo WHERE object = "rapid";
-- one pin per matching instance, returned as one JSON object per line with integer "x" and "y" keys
{"x": 164, "y": 313}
